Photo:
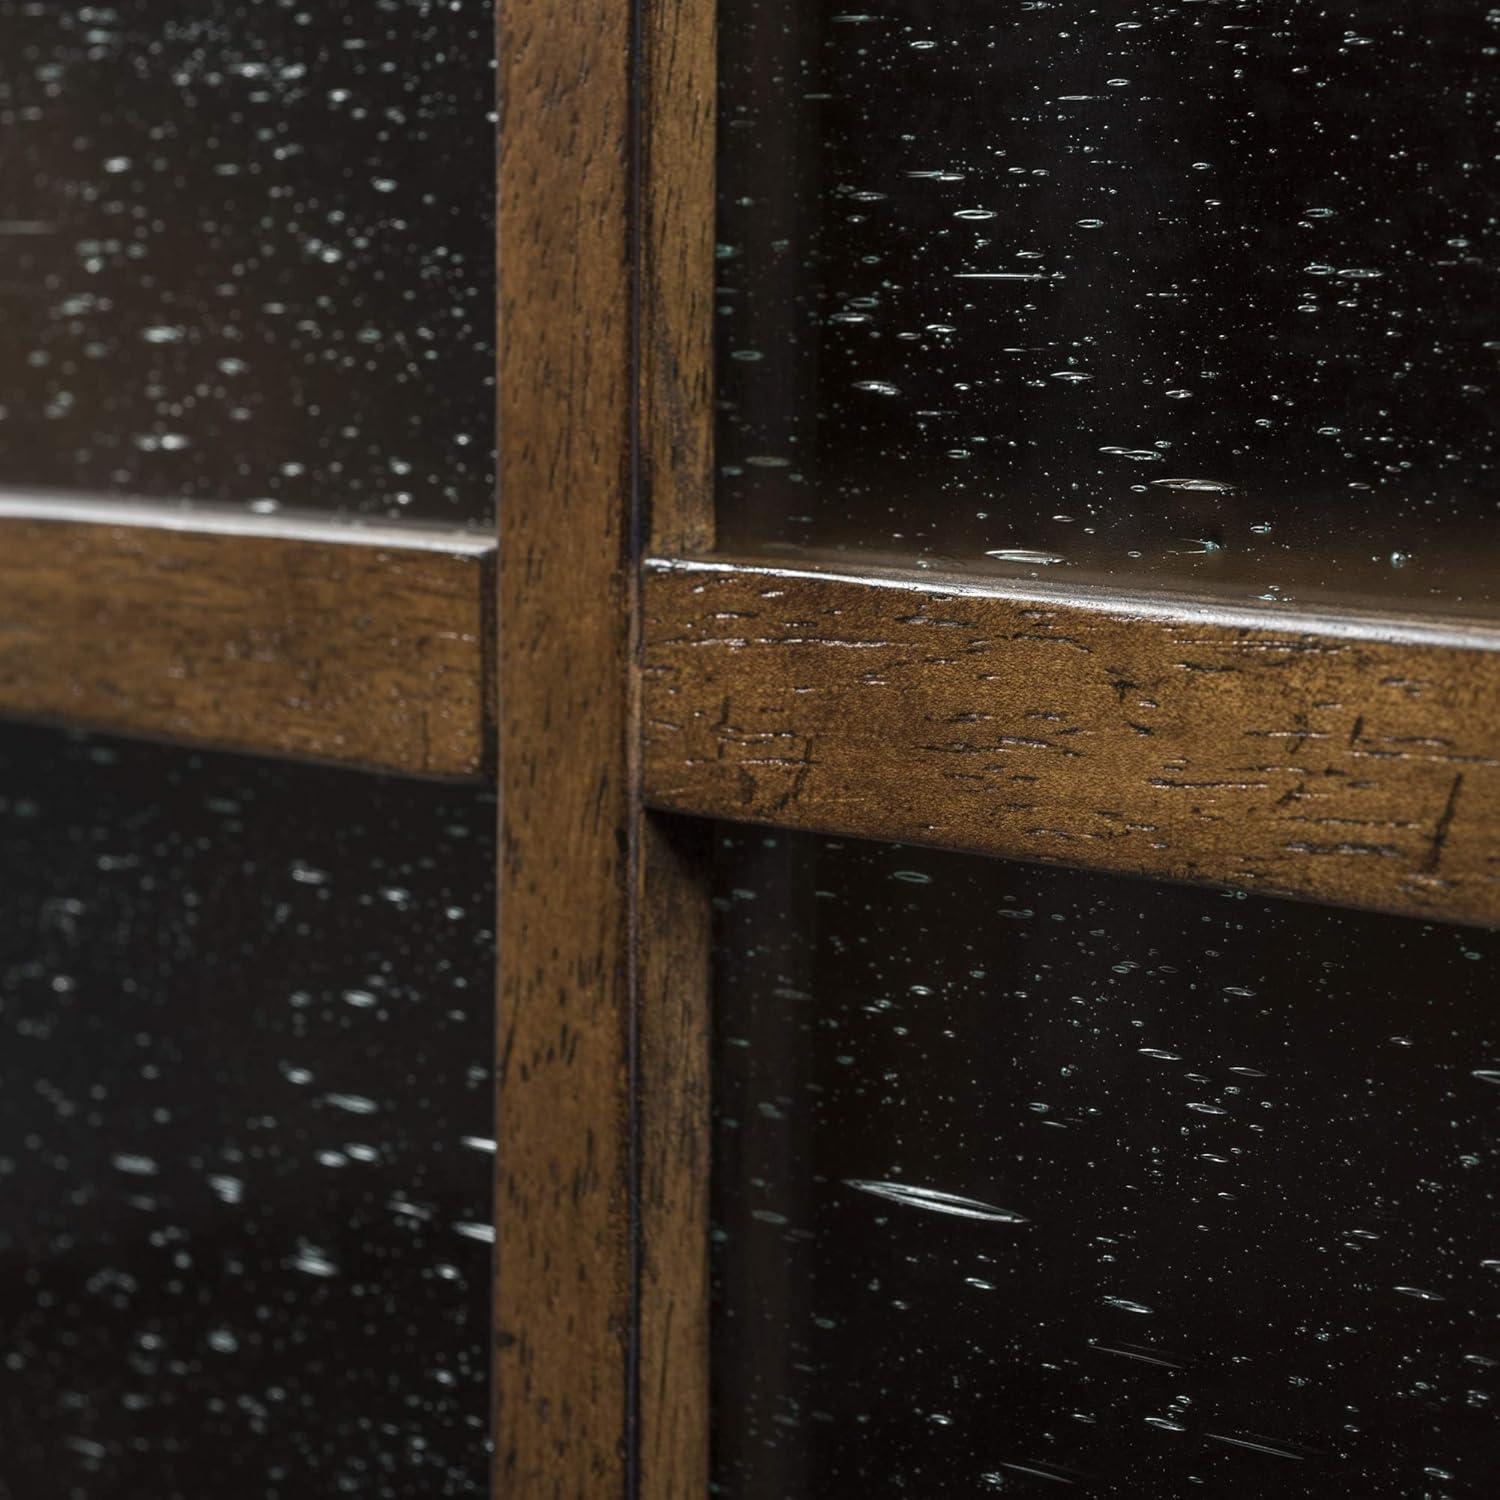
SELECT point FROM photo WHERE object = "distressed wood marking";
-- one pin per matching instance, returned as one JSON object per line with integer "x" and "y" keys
{"x": 1341, "y": 760}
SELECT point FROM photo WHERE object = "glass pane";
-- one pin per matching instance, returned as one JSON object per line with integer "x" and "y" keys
{"x": 246, "y": 252}
{"x": 1028, "y": 1178}
{"x": 246, "y": 1036}
{"x": 1192, "y": 291}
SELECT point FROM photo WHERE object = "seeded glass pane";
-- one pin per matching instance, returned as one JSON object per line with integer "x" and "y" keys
{"x": 246, "y": 252}
{"x": 245, "y": 1127}
{"x": 1026, "y": 1179}
{"x": 1199, "y": 291}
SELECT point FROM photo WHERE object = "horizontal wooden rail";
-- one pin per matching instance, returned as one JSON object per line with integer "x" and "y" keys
{"x": 360, "y": 645}
{"x": 1344, "y": 758}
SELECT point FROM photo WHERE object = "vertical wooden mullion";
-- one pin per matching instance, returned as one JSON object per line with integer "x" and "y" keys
{"x": 673, "y": 1102}
{"x": 603, "y": 911}
{"x": 563, "y": 1295}
{"x": 677, "y": 119}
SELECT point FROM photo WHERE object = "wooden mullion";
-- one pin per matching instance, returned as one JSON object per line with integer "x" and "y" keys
{"x": 1342, "y": 757}
{"x": 673, "y": 1100}
{"x": 564, "y": 1250}
{"x": 319, "y": 640}
{"x": 677, "y": 121}
{"x": 678, "y": 103}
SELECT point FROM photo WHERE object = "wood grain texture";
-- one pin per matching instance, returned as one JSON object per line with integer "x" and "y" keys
{"x": 1341, "y": 759}
{"x": 369, "y": 654}
{"x": 674, "y": 1102}
{"x": 678, "y": 119}
{"x": 679, "y": 98}
{"x": 563, "y": 1299}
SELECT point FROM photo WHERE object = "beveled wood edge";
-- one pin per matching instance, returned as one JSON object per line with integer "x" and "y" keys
{"x": 1335, "y": 620}
{"x": 1348, "y": 757}
{"x": 306, "y": 639}
{"x": 219, "y": 519}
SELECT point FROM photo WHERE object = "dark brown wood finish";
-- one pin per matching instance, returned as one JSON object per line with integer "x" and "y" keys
{"x": 564, "y": 1261}
{"x": 322, "y": 641}
{"x": 677, "y": 120}
{"x": 1336, "y": 757}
